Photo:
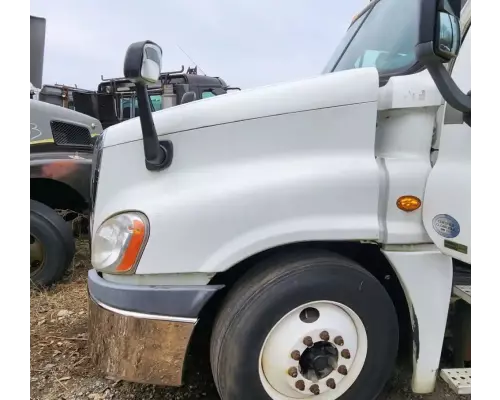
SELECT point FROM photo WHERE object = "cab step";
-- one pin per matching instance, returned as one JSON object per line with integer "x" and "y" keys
{"x": 463, "y": 291}
{"x": 458, "y": 379}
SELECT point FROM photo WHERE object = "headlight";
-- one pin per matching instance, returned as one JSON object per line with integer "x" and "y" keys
{"x": 118, "y": 243}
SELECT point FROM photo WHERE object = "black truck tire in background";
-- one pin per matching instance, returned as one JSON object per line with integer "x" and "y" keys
{"x": 271, "y": 290}
{"x": 56, "y": 238}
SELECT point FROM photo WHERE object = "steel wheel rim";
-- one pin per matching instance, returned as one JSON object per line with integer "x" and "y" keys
{"x": 37, "y": 255}
{"x": 280, "y": 373}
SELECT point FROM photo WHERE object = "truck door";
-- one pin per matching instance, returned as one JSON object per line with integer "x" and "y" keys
{"x": 446, "y": 206}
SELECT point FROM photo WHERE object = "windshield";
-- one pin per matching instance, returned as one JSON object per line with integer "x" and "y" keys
{"x": 384, "y": 37}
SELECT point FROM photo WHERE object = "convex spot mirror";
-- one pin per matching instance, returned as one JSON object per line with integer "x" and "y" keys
{"x": 143, "y": 62}
{"x": 447, "y": 42}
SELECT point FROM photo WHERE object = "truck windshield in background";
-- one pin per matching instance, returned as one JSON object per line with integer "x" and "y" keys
{"x": 128, "y": 111}
{"x": 384, "y": 37}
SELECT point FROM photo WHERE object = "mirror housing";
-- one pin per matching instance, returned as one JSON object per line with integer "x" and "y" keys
{"x": 447, "y": 41}
{"x": 218, "y": 91}
{"x": 439, "y": 43}
{"x": 143, "y": 62}
{"x": 142, "y": 66}
{"x": 188, "y": 97}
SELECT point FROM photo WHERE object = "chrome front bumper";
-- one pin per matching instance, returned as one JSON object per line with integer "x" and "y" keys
{"x": 141, "y": 333}
{"x": 137, "y": 347}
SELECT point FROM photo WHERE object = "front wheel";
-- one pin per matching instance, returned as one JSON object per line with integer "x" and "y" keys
{"x": 302, "y": 326}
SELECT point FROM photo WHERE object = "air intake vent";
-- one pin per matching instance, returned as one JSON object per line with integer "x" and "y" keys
{"x": 66, "y": 134}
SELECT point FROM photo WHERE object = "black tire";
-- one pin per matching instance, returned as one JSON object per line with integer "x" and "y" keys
{"x": 57, "y": 240}
{"x": 278, "y": 285}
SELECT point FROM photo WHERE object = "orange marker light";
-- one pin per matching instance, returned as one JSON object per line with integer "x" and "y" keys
{"x": 138, "y": 232}
{"x": 409, "y": 203}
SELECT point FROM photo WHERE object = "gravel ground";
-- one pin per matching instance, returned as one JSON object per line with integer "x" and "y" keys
{"x": 60, "y": 366}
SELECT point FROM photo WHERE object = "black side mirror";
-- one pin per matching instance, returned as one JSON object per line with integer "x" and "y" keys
{"x": 188, "y": 97}
{"x": 439, "y": 43}
{"x": 142, "y": 66}
{"x": 218, "y": 91}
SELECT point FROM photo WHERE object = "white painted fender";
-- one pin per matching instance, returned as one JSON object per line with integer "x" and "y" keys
{"x": 262, "y": 168}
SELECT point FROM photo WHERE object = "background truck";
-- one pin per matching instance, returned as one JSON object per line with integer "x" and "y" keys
{"x": 312, "y": 220}
{"x": 60, "y": 166}
{"x": 64, "y": 123}
{"x": 115, "y": 101}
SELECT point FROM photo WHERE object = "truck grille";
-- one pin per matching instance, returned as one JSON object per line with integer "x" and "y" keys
{"x": 66, "y": 134}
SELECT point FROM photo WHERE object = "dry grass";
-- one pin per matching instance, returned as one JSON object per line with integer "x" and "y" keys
{"x": 58, "y": 332}
{"x": 60, "y": 366}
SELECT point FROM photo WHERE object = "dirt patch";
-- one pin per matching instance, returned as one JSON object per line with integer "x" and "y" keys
{"x": 61, "y": 369}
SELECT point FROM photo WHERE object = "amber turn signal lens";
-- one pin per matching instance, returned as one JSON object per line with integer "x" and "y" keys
{"x": 137, "y": 232}
{"x": 409, "y": 203}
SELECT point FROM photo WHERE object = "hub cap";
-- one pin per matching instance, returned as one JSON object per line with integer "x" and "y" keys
{"x": 316, "y": 350}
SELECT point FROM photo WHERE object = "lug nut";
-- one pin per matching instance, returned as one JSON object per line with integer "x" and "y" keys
{"x": 346, "y": 354}
{"x": 339, "y": 341}
{"x": 314, "y": 389}
{"x": 342, "y": 370}
{"x": 325, "y": 336}
{"x": 308, "y": 341}
{"x": 331, "y": 383}
{"x": 300, "y": 385}
{"x": 295, "y": 355}
{"x": 292, "y": 371}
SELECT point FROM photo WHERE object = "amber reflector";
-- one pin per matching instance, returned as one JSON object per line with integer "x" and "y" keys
{"x": 409, "y": 203}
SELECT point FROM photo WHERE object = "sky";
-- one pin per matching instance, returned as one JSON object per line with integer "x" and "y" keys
{"x": 247, "y": 43}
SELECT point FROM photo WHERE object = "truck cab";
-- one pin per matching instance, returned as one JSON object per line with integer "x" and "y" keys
{"x": 116, "y": 99}
{"x": 323, "y": 222}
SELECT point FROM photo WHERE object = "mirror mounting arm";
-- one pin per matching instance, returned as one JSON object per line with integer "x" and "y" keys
{"x": 446, "y": 85}
{"x": 158, "y": 154}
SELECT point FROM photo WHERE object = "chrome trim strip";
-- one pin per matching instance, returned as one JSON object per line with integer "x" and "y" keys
{"x": 138, "y": 315}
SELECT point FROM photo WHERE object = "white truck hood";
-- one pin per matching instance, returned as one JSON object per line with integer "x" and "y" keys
{"x": 324, "y": 91}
